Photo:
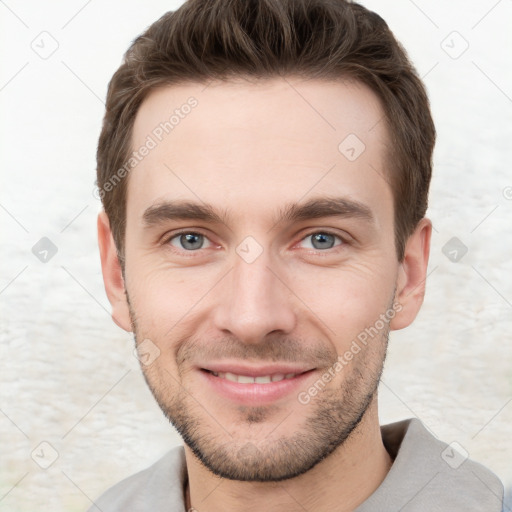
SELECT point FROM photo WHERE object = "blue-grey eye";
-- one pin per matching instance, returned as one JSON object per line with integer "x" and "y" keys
{"x": 321, "y": 241}
{"x": 189, "y": 241}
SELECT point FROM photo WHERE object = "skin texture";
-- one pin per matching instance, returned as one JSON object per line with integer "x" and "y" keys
{"x": 284, "y": 295}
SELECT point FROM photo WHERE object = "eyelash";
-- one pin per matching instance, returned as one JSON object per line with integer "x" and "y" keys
{"x": 167, "y": 240}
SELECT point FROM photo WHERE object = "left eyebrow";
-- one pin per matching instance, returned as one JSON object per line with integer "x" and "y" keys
{"x": 325, "y": 207}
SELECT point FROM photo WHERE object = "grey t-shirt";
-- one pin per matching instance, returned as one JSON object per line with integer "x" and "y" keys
{"x": 427, "y": 475}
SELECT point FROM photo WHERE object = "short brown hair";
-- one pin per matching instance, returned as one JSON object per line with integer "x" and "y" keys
{"x": 322, "y": 39}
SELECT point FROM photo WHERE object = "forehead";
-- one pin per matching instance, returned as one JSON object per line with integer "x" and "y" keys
{"x": 239, "y": 142}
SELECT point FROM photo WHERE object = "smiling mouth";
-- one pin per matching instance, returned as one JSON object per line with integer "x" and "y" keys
{"x": 260, "y": 379}
{"x": 252, "y": 386}
{"x": 247, "y": 379}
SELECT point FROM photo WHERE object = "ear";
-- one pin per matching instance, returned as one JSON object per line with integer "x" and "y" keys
{"x": 112, "y": 274}
{"x": 412, "y": 274}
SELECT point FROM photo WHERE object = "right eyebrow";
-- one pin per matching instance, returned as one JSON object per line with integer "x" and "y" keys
{"x": 181, "y": 210}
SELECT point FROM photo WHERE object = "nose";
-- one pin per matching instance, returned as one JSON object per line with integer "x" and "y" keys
{"x": 253, "y": 301}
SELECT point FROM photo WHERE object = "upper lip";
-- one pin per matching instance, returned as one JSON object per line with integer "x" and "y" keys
{"x": 253, "y": 370}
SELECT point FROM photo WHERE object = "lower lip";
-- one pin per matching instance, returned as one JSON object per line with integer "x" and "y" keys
{"x": 256, "y": 394}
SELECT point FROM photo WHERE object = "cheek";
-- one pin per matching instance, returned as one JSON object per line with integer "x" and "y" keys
{"x": 163, "y": 298}
{"x": 347, "y": 300}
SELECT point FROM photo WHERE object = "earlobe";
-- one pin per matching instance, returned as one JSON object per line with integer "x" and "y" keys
{"x": 410, "y": 287}
{"x": 112, "y": 274}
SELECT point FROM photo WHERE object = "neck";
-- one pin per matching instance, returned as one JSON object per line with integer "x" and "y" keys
{"x": 341, "y": 482}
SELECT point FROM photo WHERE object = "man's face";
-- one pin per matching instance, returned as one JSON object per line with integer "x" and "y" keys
{"x": 275, "y": 281}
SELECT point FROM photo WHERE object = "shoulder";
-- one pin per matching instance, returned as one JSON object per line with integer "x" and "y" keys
{"x": 430, "y": 475}
{"x": 154, "y": 488}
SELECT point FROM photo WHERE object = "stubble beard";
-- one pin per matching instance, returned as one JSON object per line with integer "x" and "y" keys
{"x": 334, "y": 415}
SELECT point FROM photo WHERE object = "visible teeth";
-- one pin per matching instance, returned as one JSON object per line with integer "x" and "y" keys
{"x": 231, "y": 376}
{"x": 262, "y": 380}
{"x": 246, "y": 379}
